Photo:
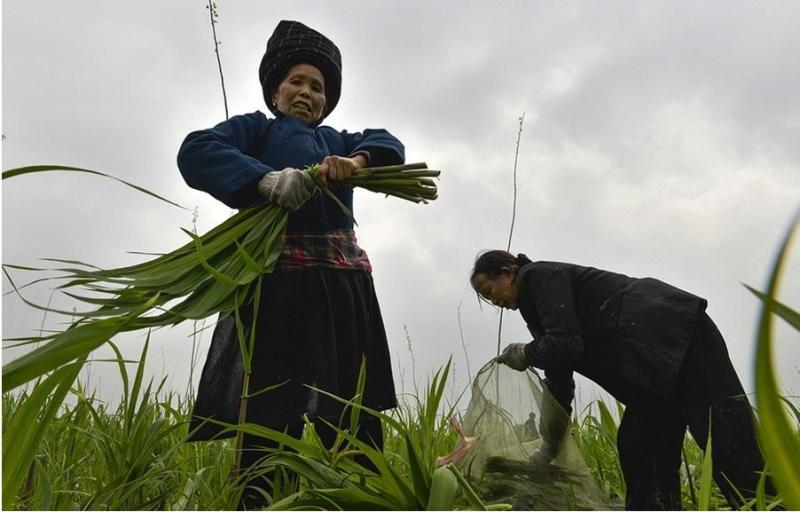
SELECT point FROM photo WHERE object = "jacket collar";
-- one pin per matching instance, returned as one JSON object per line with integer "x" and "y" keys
{"x": 524, "y": 302}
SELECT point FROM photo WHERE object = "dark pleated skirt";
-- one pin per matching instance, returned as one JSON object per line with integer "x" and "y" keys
{"x": 313, "y": 328}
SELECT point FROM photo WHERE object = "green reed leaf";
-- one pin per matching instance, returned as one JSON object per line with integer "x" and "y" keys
{"x": 73, "y": 343}
{"x": 444, "y": 489}
{"x": 778, "y": 440}
{"x": 19, "y": 171}
{"x": 22, "y": 436}
{"x": 789, "y": 315}
{"x": 704, "y": 497}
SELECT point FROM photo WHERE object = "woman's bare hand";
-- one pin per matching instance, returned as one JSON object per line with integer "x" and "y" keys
{"x": 339, "y": 168}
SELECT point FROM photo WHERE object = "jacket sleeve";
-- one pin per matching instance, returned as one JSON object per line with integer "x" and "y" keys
{"x": 383, "y": 147}
{"x": 216, "y": 160}
{"x": 561, "y": 385}
{"x": 561, "y": 343}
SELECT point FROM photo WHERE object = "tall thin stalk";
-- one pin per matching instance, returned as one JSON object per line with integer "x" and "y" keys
{"x": 44, "y": 315}
{"x": 514, "y": 206}
{"x": 41, "y": 334}
{"x": 513, "y": 220}
{"x": 463, "y": 343}
{"x": 401, "y": 372}
{"x": 413, "y": 359}
{"x": 237, "y": 463}
{"x": 190, "y": 386}
{"x": 213, "y": 15}
{"x": 246, "y": 347}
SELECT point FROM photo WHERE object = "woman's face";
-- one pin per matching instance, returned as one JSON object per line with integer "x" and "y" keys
{"x": 501, "y": 291}
{"x": 302, "y": 93}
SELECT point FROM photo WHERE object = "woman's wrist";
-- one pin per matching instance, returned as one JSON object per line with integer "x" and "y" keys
{"x": 361, "y": 158}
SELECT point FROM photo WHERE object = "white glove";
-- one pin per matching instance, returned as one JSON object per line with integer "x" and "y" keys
{"x": 289, "y": 188}
{"x": 514, "y": 357}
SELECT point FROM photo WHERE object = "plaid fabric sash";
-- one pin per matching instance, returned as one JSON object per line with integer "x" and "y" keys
{"x": 333, "y": 249}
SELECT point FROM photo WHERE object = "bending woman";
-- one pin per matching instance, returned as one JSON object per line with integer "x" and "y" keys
{"x": 649, "y": 344}
{"x": 318, "y": 314}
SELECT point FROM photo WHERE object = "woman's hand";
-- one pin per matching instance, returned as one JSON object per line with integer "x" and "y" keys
{"x": 514, "y": 357}
{"x": 288, "y": 188}
{"x": 339, "y": 168}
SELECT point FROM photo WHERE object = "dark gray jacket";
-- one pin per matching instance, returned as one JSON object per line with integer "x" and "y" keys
{"x": 628, "y": 335}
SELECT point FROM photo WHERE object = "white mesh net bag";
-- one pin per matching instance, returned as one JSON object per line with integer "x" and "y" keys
{"x": 522, "y": 451}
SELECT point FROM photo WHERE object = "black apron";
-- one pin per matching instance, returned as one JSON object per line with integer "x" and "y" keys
{"x": 314, "y": 326}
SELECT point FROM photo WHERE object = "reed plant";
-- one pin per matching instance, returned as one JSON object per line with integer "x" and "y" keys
{"x": 777, "y": 434}
{"x": 129, "y": 457}
{"x": 595, "y": 433}
{"x": 403, "y": 476}
{"x": 135, "y": 456}
{"x": 213, "y": 273}
{"x": 76, "y": 466}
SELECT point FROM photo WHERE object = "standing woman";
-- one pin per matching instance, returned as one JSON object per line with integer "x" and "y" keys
{"x": 649, "y": 344}
{"x": 318, "y": 314}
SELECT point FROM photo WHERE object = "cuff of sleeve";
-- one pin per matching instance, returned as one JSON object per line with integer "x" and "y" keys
{"x": 363, "y": 153}
{"x": 248, "y": 195}
{"x": 530, "y": 355}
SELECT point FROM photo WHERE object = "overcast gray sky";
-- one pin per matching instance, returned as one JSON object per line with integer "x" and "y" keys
{"x": 660, "y": 139}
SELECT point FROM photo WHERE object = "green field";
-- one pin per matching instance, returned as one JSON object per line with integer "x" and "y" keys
{"x": 135, "y": 456}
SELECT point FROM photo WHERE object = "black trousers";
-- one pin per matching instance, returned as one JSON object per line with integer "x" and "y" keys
{"x": 253, "y": 450}
{"x": 651, "y": 433}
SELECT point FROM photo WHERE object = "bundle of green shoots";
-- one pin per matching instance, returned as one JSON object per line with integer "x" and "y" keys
{"x": 412, "y": 182}
{"x": 214, "y": 273}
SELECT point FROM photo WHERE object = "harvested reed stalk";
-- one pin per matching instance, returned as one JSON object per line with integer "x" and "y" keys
{"x": 412, "y": 182}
